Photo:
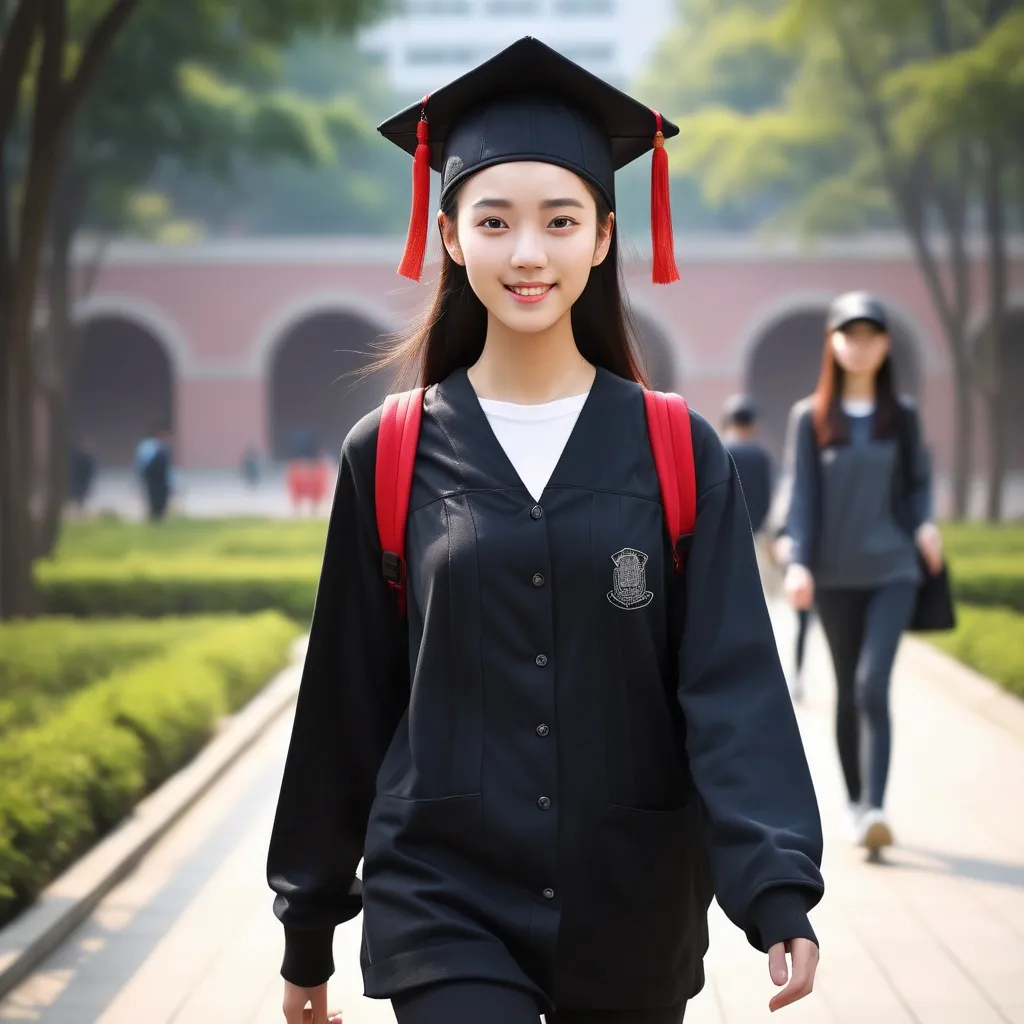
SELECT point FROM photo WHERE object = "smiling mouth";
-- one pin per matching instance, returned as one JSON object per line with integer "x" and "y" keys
{"x": 529, "y": 291}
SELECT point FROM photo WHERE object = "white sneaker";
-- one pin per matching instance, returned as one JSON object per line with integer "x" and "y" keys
{"x": 875, "y": 833}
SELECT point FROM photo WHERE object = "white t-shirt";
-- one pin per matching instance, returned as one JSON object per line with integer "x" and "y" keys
{"x": 533, "y": 436}
{"x": 858, "y": 406}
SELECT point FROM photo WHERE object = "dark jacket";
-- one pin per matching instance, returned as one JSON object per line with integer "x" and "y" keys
{"x": 754, "y": 466}
{"x": 903, "y": 489}
{"x": 538, "y": 765}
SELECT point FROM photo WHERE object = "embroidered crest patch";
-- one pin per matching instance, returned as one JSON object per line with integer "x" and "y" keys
{"x": 629, "y": 580}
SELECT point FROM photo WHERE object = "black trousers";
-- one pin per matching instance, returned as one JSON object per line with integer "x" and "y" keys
{"x": 863, "y": 629}
{"x": 481, "y": 1002}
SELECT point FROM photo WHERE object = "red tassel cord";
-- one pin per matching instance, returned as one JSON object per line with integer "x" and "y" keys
{"x": 664, "y": 270}
{"x": 416, "y": 241}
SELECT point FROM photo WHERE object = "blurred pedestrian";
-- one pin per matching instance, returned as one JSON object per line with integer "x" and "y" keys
{"x": 252, "y": 470}
{"x": 753, "y": 462}
{"x": 155, "y": 468}
{"x": 82, "y": 467}
{"x": 307, "y": 472}
{"x": 861, "y": 529}
{"x": 554, "y": 751}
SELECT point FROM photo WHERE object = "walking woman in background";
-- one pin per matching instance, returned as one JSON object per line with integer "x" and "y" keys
{"x": 861, "y": 531}
{"x": 567, "y": 745}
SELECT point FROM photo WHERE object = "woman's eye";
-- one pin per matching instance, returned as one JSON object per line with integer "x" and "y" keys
{"x": 492, "y": 222}
{"x": 562, "y": 222}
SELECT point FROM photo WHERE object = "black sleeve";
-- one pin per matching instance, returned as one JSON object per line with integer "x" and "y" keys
{"x": 353, "y": 692}
{"x": 920, "y": 476}
{"x": 802, "y": 517}
{"x": 744, "y": 747}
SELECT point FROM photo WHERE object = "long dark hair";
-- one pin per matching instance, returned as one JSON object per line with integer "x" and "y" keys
{"x": 451, "y": 332}
{"x": 830, "y": 423}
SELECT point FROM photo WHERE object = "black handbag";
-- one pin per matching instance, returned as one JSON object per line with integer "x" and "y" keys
{"x": 934, "y": 609}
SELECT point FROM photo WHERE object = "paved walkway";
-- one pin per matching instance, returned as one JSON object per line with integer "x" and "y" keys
{"x": 935, "y": 935}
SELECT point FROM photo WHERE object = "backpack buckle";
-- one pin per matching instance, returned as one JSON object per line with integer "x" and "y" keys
{"x": 393, "y": 568}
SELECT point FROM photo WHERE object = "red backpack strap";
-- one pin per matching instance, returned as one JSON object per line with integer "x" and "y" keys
{"x": 396, "y": 457}
{"x": 668, "y": 422}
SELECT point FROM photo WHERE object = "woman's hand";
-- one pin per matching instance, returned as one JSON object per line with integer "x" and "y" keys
{"x": 294, "y": 1006}
{"x": 804, "y": 955}
{"x": 929, "y": 543}
{"x": 799, "y": 586}
{"x": 782, "y": 550}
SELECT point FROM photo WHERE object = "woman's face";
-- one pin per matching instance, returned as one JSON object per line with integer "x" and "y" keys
{"x": 860, "y": 347}
{"x": 528, "y": 236}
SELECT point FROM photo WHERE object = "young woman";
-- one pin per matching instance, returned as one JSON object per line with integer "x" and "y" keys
{"x": 860, "y": 525}
{"x": 546, "y": 782}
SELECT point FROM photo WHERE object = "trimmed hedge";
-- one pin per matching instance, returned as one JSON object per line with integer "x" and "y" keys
{"x": 991, "y": 641}
{"x": 989, "y": 580}
{"x": 184, "y": 586}
{"x": 67, "y": 781}
{"x": 42, "y": 661}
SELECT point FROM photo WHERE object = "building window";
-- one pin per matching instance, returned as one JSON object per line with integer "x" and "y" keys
{"x": 437, "y": 8}
{"x": 420, "y": 56}
{"x": 582, "y": 8}
{"x": 512, "y": 8}
{"x": 593, "y": 53}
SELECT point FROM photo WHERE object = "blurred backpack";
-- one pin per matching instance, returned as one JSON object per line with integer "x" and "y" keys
{"x": 668, "y": 423}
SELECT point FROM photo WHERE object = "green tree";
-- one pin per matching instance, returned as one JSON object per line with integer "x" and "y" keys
{"x": 846, "y": 138}
{"x": 51, "y": 56}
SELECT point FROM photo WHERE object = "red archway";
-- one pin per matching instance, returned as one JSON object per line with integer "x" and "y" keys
{"x": 315, "y": 382}
{"x": 122, "y": 387}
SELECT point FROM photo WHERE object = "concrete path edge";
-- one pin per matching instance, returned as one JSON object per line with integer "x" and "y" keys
{"x": 69, "y": 899}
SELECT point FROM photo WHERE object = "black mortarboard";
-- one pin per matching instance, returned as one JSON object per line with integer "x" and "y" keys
{"x": 856, "y": 306}
{"x": 528, "y": 102}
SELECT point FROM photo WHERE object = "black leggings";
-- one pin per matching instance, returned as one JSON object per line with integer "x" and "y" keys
{"x": 803, "y": 622}
{"x": 484, "y": 1002}
{"x": 863, "y": 629}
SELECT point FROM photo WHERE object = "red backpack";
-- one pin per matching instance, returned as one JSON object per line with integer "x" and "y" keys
{"x": 668, "y": 422}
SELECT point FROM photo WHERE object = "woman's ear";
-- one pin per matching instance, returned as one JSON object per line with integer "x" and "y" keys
{"x": 604, "y": 240}
{"x": 450, "y": 237}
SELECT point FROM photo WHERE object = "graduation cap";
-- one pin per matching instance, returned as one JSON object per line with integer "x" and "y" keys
{"x": 528, "y": 102}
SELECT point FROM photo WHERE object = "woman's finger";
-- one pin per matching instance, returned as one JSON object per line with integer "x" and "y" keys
{"x": 777, "y": 967}
{"x": 805, "y": 963}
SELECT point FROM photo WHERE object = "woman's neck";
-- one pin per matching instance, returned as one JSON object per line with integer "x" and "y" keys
{"x": 530, "y": 369}
{"x": 859, "y": 387}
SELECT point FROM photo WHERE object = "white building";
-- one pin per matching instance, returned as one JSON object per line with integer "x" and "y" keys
{"x": 433, "y": 41}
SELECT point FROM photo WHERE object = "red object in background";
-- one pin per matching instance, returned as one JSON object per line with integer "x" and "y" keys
{"x": 307, "y": 479}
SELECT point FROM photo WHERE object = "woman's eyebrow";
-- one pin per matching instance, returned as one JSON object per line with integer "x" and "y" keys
{"x": 506, "y": 204}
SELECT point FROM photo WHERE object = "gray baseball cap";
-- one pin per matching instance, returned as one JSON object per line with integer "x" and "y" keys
{"x": 856, "y": 306}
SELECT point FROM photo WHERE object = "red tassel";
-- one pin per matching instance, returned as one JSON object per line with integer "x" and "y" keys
{"x": 416, "y": 241}
{"x": 664, "y": 270}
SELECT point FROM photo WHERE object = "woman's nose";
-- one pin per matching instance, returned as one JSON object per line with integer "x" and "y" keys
{"x": 529, "y": 249}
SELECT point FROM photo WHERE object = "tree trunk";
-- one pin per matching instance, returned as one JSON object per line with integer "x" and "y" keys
{"x": 57, "y": 386}
{"x": 992, "y": 383}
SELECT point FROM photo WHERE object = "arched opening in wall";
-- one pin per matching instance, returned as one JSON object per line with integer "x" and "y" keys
{"x": 122, "y": 387}
{"x": 314, "y": 386}
{"x": 786, "y": 361}
{"x": 656, "y": 353}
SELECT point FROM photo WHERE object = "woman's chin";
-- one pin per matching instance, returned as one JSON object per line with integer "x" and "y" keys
{"x": 526, "y": 321}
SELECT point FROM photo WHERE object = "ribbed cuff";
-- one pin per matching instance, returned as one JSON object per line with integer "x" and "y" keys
{"x": 777, "y": 915}
{"x": 308, "y": 956}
